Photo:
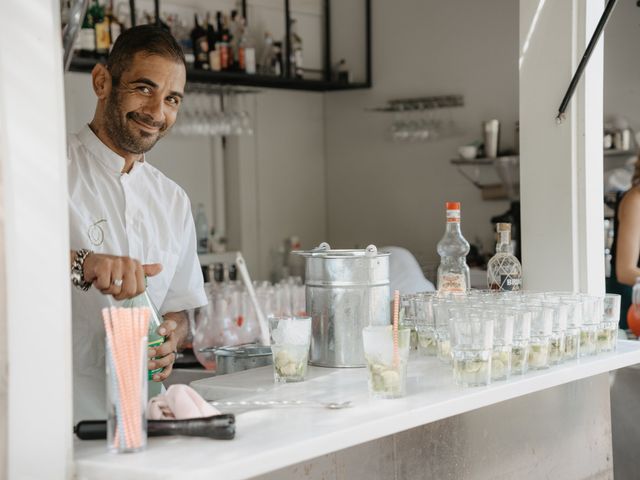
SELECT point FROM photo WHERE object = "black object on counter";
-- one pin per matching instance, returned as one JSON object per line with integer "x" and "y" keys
{"x": 218, "y": 272}
{"x": 219, "y": 427}
{"x": 233, "y": 272}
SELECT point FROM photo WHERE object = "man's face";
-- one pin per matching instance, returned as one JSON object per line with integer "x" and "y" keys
{"x": 143, "y": 105}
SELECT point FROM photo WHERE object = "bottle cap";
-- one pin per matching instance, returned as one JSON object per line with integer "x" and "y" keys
{"x": 453, "y": 205}
{"x": 503, "y": 227}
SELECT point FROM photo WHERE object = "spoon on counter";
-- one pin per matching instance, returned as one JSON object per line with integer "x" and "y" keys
{"x": 257, "y": 404}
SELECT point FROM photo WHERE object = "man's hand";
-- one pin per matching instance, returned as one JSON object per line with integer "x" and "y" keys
{"x": 174, "y": 329}
{"x": 122, "y": 277}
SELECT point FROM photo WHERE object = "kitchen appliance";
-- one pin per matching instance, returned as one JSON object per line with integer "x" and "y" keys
{"x": 346, "y": 290}
{"x": 240, "y": 357}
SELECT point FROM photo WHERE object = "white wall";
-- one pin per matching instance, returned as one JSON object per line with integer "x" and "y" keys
{"x": 276, "y": 179}
{"x": 562, "y": 175}
{"x": 621, "y": 66}
{"x": 35, "y": 240}
{"x": 386, "y": 193}
{"x": 4, "y": 368}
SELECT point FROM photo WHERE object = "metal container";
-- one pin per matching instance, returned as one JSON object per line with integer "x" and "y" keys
{"x": 240, "y": 357}
{"x": 346, "y": 290}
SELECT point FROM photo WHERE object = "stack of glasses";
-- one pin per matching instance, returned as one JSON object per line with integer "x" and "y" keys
{"x": 488, "y": 336}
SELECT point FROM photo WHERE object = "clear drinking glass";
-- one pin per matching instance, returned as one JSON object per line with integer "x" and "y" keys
{"x": 573, "y": 305}
{"x": 472, "y": 344}
{"x": 126, "y": 401}
{"x": 558, "y": 331}
{"x": 425, "y": 324}
{"x": 591, "y": 318}
{"x": 387, "y": 367}
{"x": 290, "y": 341}
{"x": 443, "y": 338}
{"x": 521, "y": 339}
{"x": 608, "y": 328}
{"x": 409, "y": 315}
{"x": 540, "y": 342}
{"x": 502, "y": 342}
{"x": 592, "y": 309}
{"x": 611, "y": 307}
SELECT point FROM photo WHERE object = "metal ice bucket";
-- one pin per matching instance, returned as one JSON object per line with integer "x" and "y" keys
{"x": 346, "y": 290}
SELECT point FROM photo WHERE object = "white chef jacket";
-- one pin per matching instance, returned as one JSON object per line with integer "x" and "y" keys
{"x": 141, "y": 214}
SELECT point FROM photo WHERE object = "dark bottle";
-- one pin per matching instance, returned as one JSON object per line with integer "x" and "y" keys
{"x": 222, "y": 45}
{"x": 212, "y": 39}
{"x": 295, "y": 48}
{"x": 218, "y": 272}
{"x": 200, "y": 45}
{"x": 233, "y": 272}
{"x": 277, "y": 67}
{"x": 115, "y": 25}
{"x": 236, "y": 27}
{"x": 86, "y": 44}
{"x": 102, "y": 31}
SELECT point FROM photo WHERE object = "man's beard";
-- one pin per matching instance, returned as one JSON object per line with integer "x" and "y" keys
{"x": 126, "y": 136}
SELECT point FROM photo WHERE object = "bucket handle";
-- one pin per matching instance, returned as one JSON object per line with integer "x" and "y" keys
{"x": 322, "y": 247}
{"x": 371, "y": 251}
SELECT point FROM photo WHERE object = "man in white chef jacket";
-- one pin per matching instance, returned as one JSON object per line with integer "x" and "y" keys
{"x": 127, "y": 220}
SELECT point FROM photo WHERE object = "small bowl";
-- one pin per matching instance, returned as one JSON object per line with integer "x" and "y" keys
{"x": 468, "y": 152}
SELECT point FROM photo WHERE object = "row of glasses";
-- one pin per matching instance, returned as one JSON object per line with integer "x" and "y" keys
{"x": 229, "y": 318}
{"x": 421, "y": 124}
{"x": 201, "y": 115}
{"x": 488, "y": 336}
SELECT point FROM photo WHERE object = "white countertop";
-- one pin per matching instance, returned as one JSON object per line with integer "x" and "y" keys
{"x": 267, "y": 440}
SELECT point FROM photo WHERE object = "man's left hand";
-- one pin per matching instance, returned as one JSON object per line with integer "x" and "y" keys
{"x": 166, "y": 353}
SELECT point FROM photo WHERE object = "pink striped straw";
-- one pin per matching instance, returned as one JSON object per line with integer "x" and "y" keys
{"x": 117, "y": 361}
{"x": 126, "y": 328}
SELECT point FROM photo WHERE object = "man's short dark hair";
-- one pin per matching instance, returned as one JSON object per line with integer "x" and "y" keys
{"x": 148, "y": 39}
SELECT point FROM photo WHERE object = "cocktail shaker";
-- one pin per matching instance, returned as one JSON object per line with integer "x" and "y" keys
{"x": 491, "y": 131}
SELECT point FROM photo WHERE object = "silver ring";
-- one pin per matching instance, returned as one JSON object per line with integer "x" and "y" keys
{"x": 117, "y": 282}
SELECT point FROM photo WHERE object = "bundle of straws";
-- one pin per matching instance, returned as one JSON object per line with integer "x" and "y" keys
{"x": 126, "y": 332}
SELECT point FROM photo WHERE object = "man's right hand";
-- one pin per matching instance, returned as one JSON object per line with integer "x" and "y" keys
{"x": 122, "y": 277}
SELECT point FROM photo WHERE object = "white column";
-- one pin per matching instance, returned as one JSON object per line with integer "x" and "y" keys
{"x": 36, "y": 243}
{"x": 561, "y": 165}
{"x": 4, "y": 366}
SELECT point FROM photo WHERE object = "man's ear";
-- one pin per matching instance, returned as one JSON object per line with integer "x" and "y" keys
{"x": 101, "y": 80}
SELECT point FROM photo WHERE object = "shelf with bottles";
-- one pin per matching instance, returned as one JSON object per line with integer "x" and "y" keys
{"x": 226, "y": 49}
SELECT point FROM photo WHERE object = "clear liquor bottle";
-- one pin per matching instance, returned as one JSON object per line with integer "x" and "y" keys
{"x": 453, "y": 271}
{"x": 504, "y": 271}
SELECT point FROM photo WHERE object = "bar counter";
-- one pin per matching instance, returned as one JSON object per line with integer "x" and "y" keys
{"x": 565, "y": 398}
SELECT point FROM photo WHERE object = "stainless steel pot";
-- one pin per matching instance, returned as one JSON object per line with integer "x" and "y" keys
{"x": 241, "y": 357}
{"x": 346, "y": 290}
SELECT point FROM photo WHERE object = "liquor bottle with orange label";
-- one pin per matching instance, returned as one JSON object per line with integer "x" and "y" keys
{"x": 453, "y": 271}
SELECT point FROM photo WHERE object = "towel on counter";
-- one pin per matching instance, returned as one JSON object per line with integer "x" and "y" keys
{"x": 179, "y": 402}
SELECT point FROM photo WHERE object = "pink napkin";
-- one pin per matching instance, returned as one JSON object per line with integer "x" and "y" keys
{"x": 179, "y": 402}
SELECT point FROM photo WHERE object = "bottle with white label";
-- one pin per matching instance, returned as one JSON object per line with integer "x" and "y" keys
{"x": 504, "y": 271}
{"x": 453, "y": 272}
